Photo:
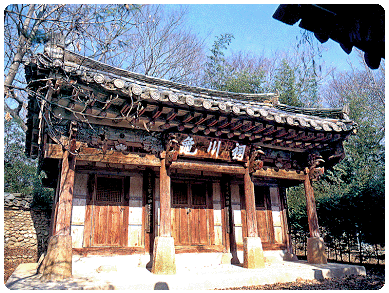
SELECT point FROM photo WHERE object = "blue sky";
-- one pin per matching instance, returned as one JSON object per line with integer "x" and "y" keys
{"x": 255, "y": 30}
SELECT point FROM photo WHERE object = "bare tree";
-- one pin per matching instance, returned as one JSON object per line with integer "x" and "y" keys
{"x": 161, "y": 45}
{"x": 363, "y": 90}
{"x": 140, "y": 38}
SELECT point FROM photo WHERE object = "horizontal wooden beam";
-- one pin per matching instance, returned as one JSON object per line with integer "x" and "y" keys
{"x": 208, "y": 167}
{"x": 54, "y": 151}
{"x": 280, "y": 174}
{"x": 236, "y": 169}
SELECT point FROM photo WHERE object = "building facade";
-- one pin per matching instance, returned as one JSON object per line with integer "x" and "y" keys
{"x": 143, "y": 165}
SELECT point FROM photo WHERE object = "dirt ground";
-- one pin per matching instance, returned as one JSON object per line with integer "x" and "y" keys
{"x": 374, "y": 280}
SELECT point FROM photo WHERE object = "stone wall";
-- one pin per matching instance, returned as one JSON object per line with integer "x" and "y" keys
{"x": 26, "y": 233}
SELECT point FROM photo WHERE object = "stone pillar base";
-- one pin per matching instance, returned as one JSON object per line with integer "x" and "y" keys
{"x": 253, "y": 253}
{"x": 57, "y": 264}
{"x": 164, "y": 260}
{"x": 316, "y": 251}
{"x": 290, "y": 256}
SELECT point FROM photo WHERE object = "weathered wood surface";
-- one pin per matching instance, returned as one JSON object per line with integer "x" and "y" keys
{"x": 65, "y": 195}
{"x": 107, "y": 251}
{"x": 311, "y": 207}
{"x": 251, "y": 221}
{"x": 106, "y": 219}
{"x": 164, "y": 198}
{"x": 264, "y": 214}
{"x": 54, "y": 151}
{"x": 191, "y": 215}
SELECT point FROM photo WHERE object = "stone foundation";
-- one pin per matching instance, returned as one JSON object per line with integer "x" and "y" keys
{"x": 316, "y": 251}
{"x": 253, "y": 253}
{"x": 164, "y": 262}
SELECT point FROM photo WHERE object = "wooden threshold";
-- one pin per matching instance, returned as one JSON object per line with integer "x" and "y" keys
{"x": 106, "y": 251}
{"x": 199, "y": 248}
{"x": 266, "y": 246}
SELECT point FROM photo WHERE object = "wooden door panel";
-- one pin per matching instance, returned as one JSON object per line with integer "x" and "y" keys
{"x": 99, "y": 220}
{"x": 263, "y": 228}
{"x": 182, "y": 226}
{"x": 109, "y": 223}
{"x": 114, "y": 225}
{"x": 190, "y": 214}
{"x": 264, "y": 214}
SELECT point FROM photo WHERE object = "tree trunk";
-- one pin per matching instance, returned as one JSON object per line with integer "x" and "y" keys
{"x": 23, "y": 45}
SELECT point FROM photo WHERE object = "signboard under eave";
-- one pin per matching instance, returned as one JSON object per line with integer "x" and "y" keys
{"x": 196, "y": 146}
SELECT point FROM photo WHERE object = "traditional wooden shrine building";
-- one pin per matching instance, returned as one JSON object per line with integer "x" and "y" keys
{"x": 143, "y": 165}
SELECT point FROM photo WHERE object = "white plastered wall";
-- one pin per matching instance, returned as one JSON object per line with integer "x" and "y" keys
{"x": 80, "y": 193}
{"x": 135, "y": 212}
{"x": 217, "y": 213}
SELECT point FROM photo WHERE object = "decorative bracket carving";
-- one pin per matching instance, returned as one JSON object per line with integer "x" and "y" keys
{"x": 172, "y": 148}
{"x": 72, "y": 138}
{"x": 254, "y": 162}
{"x": 314, "y": 160}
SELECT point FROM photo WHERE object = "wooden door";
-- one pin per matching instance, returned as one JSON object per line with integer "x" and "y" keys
{"x": 190, "y": 215}
{"x": 109, "y": 213}
{"x": 264, "y": 214}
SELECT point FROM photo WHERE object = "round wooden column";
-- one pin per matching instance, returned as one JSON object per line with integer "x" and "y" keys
{"x": 252, "y": 229}
{"x": 57, "y": 264}
{"x": 65, "y": 197}
{"x": 164, "y": 197}
{"x": 316, "y": 250}
{"x": 311, "y": 207}
{"x": 252, "y": 245}
{"x": 164, "y": 262}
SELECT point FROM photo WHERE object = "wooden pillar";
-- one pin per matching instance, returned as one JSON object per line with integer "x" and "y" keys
{"x": 311, "y": 207}
{"x": 252, "y": 245}
{"x": 252, "y": 229}
{"x": 57, "y": 264}
{"x": 65, "y": 198}
{"x": 164, "y": 197}
{"x": 315, "y": 245}
{"x": 164, "y": 262}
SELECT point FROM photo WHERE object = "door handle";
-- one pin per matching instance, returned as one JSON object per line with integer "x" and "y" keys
{"x": 188, "y": 210}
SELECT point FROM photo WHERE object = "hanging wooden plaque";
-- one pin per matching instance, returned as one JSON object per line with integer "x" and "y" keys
{"x": 212, "y": 148}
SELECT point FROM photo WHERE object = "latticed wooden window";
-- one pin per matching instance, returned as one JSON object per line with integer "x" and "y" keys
{"x": 180, "y": 193}
{"x": 261, "y": 195}
{"x": 199, "y": 194}
{"x": 109, "y": 189}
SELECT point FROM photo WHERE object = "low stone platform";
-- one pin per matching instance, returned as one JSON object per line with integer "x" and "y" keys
{"x": 121, "y": 272}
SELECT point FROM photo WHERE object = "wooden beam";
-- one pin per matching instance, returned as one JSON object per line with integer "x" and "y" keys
{"x": 236, "y": 169}
{"x": 54, "y": 151}
{"x": 208, "y": 167}
{"x": 280, "y": 174}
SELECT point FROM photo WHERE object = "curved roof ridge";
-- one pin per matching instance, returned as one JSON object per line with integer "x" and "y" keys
{"x": 86, "y": 61}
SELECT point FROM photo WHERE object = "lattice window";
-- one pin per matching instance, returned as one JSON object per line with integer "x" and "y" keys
{"x": 199, "y": 194}
{"x": 109, "y": 189}
{"x": 180, "y": 194}
{"x": 261, "y": 194}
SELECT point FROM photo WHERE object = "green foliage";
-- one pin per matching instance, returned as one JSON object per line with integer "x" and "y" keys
{"x": 285, "y": 84}
{"x": 20, "y": 172}
{"x": 224, "y": 75}
{"x": 216, "y": 67}
{"x": 350, "y": 197}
